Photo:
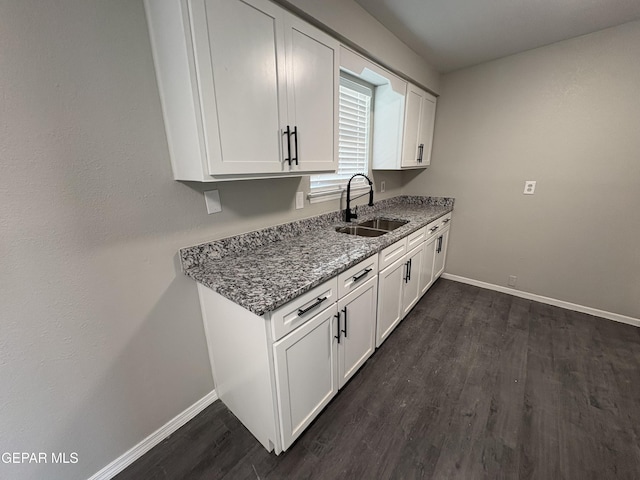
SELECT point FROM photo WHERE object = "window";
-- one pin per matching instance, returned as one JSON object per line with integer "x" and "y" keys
{"x": 354, "y": 130}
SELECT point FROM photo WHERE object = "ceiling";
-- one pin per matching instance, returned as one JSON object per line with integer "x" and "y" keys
{"x": 452, "y": 34}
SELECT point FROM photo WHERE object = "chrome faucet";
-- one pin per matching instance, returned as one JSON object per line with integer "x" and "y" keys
{"x": 348, "y": 215}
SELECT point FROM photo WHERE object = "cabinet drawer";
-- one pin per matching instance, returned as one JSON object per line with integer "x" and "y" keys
{"x": 392, "y": 253}
{"x": 444, "y": 220}
{"x": 432, "y": 228}
{"x": 416, "y": 238}
{"x": 357, "y": 275}
{"x": 437, "y": 225}
{"x": 295, "y": 313}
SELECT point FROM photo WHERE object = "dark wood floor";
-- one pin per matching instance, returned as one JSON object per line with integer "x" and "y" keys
{"x": 472, "y": 384}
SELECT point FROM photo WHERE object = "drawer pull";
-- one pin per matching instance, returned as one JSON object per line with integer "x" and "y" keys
{"x": 287, "y": 132}
{"x": 295, "y": 134}
{"x": 360, "y": 276}
{"x": 302, "y": 311}
{"x": 433, "y": 229}
{"x": 446, "y": 220}
{"x": 344, "y": 310}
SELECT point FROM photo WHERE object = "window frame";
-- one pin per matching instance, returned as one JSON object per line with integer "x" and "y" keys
{"x": 332, "y": 192}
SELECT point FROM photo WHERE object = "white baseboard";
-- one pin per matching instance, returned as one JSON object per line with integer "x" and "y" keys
{"x": 130, "y": 456}
{"x": 549, "y": 301}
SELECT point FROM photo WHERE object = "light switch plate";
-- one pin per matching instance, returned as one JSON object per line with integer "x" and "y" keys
{"x": 529, "y": 187}
{"x": 212, "y": 199}
{"x": 299, "y": 200}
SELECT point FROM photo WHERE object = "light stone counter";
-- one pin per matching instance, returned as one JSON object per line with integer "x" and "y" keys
{"x": 265, "y": 269}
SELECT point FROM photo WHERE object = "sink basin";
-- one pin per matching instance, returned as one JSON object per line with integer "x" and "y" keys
{"x": 372, "y": 228}
{"x": 383, "y": 224}
{"x": 361, "y": 231}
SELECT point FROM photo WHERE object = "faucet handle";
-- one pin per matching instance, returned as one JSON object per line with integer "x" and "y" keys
{"x": 355, "y": 212}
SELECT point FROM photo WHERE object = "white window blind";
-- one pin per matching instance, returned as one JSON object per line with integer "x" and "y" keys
{"x": 353, "y": 140}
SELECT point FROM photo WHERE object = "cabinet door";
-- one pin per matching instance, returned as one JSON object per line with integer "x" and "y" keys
{"x": 427, "y": 123}
{"x": 413, "y": 112}
{"x": 389, "y": 299}
{"x": 240, "y": 58}
{"x": 357, "y": 313}
{"x": 426, "y": 272}
{"x": 441, "y": 253}
{"x": 312, "y": 92}
{"x": 306, "y": 373}
{"x": 411, "y": 282}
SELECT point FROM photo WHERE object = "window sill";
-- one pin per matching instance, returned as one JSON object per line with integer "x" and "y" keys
{"x": 335, "y": 193}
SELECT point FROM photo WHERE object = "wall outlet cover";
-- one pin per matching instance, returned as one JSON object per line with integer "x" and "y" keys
{"x": 529, "y": 187}
{"x": 212, "y": 199}
{"x": 382, "y": 186}
{"x": 299, "y": 200}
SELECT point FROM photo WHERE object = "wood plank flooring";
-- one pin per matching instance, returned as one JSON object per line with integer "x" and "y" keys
{"x": 473, "y": 384}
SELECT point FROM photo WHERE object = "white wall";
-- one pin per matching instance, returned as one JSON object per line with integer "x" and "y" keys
{"x": 568, "y": 116}
{"x": 101, "y": 337}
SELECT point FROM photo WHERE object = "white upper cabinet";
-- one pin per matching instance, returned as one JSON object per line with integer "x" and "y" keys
{"x": 313, "y": 74}
{"x": 427, "y": 125}
{"x": 412, "y": 117}
{"x": 403, "y": 115}
{"x": 238, "y": 64}
{"x": 248, "y": 90}
{"x": 418, "y": 128}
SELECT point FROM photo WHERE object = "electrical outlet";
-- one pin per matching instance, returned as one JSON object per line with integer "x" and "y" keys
{"x": 512, "y": 281}
{"x": 382, "y": 186}
{"x": 299, "y": 200}
{"x": 212, "y": 199}
{"x": 529, "y": 187}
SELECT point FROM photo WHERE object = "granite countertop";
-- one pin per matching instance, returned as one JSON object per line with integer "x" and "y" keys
{"x": 263, "y": 270}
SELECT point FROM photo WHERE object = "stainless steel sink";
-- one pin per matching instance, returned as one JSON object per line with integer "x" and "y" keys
{"x": 361, "y": 231}
{"x": 383, "y": 224}
{"x": 372, "y": 228}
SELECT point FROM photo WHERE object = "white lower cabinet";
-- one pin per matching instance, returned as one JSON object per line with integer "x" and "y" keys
{"x": 277, "y": 372}
{"x": 440, "y": 253}
{"x": 398, "y": 291}
{"x": 390, "y": 295}
{"x": 357, "y": 318}
{"x": 411, "y": 282}
{"x": 306, "y": 373}
{"x": 317, "y": 359}
{"x": 426, "y": 272}
{"x": 402, "y": 283}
